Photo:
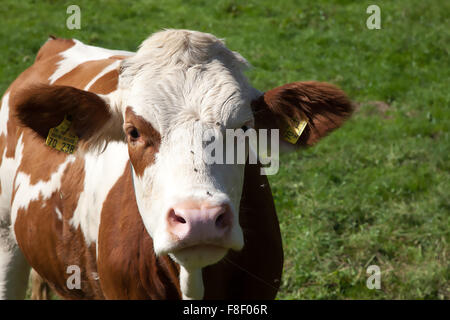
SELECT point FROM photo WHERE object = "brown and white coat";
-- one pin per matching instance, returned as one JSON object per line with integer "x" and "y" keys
{"x": 125, "y": 206}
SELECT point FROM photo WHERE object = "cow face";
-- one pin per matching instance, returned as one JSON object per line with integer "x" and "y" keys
{"x": 177, "y": 87}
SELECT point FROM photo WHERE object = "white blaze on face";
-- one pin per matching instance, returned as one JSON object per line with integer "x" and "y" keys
{"x": 179, "y": 174}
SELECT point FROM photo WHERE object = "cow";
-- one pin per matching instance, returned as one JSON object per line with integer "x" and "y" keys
{"x": 126, "y": 206}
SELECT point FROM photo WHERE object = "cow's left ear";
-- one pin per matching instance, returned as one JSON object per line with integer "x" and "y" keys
{"x": 89, "y": 116}
{"x": 323, "y": 106}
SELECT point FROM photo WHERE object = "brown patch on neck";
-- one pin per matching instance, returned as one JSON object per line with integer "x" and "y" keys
{"x": 106, "y": 83}
{"x": 127, "y": 265}
{"x": 142, "y": 152}
{"x": 39, "y": 161}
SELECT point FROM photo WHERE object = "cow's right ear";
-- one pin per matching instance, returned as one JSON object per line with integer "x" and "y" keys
{"x": 92, "y": 119}
{"x": 317, "y": 108}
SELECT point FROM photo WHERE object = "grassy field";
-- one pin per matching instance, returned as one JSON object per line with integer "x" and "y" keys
{"x": 374, "y": 192}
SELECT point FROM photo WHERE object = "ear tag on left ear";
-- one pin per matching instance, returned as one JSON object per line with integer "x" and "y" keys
{"x": 61, "y": 137}
{"x": 293, "y": 132}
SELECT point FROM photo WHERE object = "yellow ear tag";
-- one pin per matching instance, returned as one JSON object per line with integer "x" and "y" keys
{"x": 61, "y": 138}
{"x": 292, "y": 133}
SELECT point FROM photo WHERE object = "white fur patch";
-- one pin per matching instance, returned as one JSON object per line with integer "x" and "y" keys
{"x": 101, "y": 173}
{"x": 191, "y": 284}
{"x": 7, "y": 165}
{"x": 27, "y": 192}
{"x": 14, "y": 269}
{"x": 7, "y": 172}
{"x": 4, "y": 114}
{"x": 80, "y": 53}
{"x": 58, "y": 213}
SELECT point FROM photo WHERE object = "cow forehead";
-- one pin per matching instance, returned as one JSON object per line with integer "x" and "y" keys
{"x": 210, "y": 93}
{"x": 177, "y": 75}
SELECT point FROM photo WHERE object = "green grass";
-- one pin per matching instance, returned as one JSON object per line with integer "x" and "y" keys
{"x": 374, "y": 192}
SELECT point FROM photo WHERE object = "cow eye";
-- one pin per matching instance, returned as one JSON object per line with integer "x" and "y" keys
{"x": 134, "y": 133}
{"x": 245, "y": 128}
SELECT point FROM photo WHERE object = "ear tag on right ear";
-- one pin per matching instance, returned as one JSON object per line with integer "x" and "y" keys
{"x": 293, "y": 132}
{"x": 61, "y": 137}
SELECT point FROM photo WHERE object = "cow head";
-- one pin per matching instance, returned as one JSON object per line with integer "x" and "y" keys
{"x": 177, "y": 86}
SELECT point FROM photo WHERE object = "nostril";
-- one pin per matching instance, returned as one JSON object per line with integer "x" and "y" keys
{"x": 180, "y": 219}
{"x": 176, "y": 218}
{"x": 221, "y": 221}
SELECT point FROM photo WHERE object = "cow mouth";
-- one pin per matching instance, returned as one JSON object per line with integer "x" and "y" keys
{"x": 199, "y": 255}
{"x": 201, "y": 247}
